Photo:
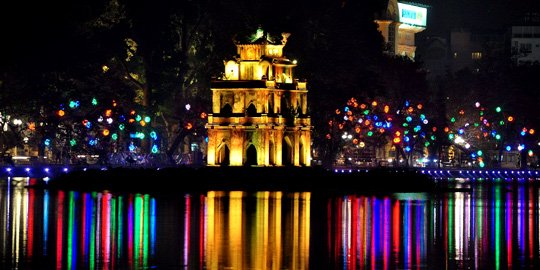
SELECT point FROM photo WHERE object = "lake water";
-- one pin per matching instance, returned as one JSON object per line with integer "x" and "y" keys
{"x": 490, "y": 226}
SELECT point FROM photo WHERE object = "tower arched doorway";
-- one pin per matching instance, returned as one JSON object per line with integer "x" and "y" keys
{"x": 302, "y": 157}
{"x": 286, "y": 152}
{"x": 271, "y": 153}
{"x": 251, "y": 155}
{"x": 226, "y": 110}
{"x": 251, "y": 110}
{"x": 223, "y": 154}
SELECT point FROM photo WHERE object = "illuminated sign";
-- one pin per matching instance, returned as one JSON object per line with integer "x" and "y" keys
{"x": 410, "y": 14}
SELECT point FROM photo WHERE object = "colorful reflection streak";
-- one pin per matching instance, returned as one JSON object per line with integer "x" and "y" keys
{"x": 73, "y": 230}
{"x": 370, "y": 232}
{"x": 492, "y": 226}
{"x": 265, "y": 230}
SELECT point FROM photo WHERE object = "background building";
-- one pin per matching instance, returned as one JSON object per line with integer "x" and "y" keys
{"x": 399, "y": 24}
{"x": 525, "y": 40}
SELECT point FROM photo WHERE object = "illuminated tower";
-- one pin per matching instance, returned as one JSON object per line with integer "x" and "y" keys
{"x": 259, "y": 110}
{"x": 398, "y": 25}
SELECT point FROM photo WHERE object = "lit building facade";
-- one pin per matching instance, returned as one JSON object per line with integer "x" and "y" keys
{"x": 525, "y": 40}
{"x": 399, "y": 24}
{"x": 259, "y": 110}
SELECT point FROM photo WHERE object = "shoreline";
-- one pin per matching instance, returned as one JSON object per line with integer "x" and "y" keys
{"x": 188, "y": 179}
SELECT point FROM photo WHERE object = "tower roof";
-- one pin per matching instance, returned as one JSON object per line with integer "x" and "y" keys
{"x": 261, "y": 37}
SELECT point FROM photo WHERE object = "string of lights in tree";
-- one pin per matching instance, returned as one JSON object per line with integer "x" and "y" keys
{"x": 373, "y": 122}
{"x": 480, "y": 129}
{"x": 103, "y": 124}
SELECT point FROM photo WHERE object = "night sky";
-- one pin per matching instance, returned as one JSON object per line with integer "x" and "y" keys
{"x": 38, "y": 26}
{"x": 445, "y": 15}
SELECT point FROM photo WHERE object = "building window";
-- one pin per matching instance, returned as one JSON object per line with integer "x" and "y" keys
{"x": 525, "y": 48}
{"x": 476, "y": 55}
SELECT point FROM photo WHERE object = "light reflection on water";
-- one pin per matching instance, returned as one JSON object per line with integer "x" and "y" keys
{"x": 489, "y": 226}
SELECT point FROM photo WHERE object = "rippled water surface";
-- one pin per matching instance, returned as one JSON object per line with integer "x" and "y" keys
{"x": 489, "y": 226}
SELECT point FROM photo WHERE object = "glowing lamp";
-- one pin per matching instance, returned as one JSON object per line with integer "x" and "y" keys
{"x": 508, "y": 148}
{"x": 498, "y": 109}
{"x": 374, "y": 103}
{"x": 531, "y": 131}
{"x": 397, "y": 140}
{"x": 105, "y": 132}
{"x": 530, "y": 153}
{"x": 94, "y": 101}
{"x": 73, "y": 104}
{"x": 147, "y": 119}
{"x": 510, "y": 119}
{"x": 114, "y": 136}
{"x": 61, "y": 113}
{"x": 386, "y": 108}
